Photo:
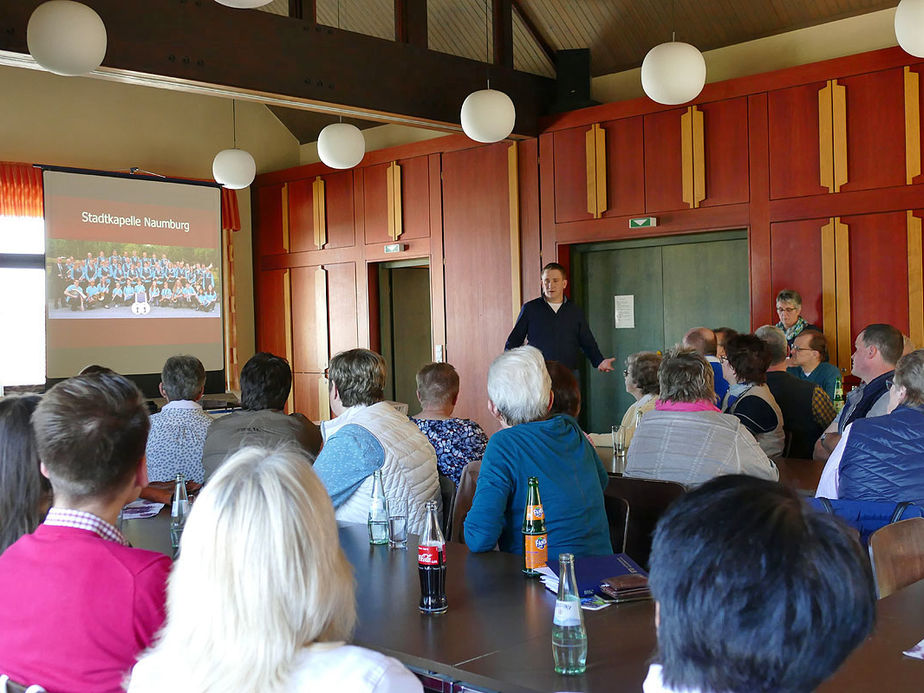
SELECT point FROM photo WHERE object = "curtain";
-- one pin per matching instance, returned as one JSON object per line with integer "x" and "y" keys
{"x": 21, "y": 191}
{"x": 230, "y": 214}
{"x": 230, "y": 222}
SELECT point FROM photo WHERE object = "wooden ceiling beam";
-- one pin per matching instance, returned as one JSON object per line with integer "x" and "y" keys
{"x": 209, "y": 48}
{"x": 503, "y": 32}
{"x": 411, "y": 22}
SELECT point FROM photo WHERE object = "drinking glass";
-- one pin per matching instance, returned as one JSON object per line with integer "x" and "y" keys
{"x": 619, "y": 441}
{"x": 397, "y": 523}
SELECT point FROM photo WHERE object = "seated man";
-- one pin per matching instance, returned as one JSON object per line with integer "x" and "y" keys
{"x": 266, "y": 380}
{"x": 79, "y": 605}
{"x": 809, "y": 361}
{"x": 686, "y": 439}
{"x": 369, "y": 434}
{"x": 555, "y": 450}
{"x": 754, "y": 591}
{"x": 806, "y": 409}
{"x": 703, "y": 340}
{"x": 178, "y": 431}
{"x": 881, "y": 458}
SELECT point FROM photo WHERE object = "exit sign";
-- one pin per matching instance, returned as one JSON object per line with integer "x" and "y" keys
{"x": 643, "y": 222}
{"x": 396, "y": 247}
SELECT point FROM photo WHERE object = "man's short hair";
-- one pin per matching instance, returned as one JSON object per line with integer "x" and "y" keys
{"x": 643, "y": 371}
{"x": 756, "y": 591}
{"x": 723, "y": 333}
{"x": 887, "y": 339}
{"x": 437, "y": 383}
{"x": 565, "y": 388}
{"x": 909, "y": 374}
{"x": 183, "y": 377}
{"x": 686, "y": 376}
{"x": 266, "y": 380}
{"x": 749, "y": 356}
{"x": 789, "y": 296}
{"x": 519, "y": 385}
{"x": 702, "y": 339}
{"x": 817, "y": 342}
{"x": 359, "y": 376}
{"x": 91, "y": 432}
{"x": 555, "y": 266}
{"x": 775, "y": 339}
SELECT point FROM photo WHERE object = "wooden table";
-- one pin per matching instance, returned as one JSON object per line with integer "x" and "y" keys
{"x": 802, "y": 475}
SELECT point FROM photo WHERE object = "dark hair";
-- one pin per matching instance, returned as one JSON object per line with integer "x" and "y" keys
{"x": 437, "y": 383}
{"x": 566, "y": 392}
{"x": 749, "y": 356}
{"x": 91, "y": 432}
{"x": 756, "y": 591}
{"x": 816, "y": 342}
{"x": 887, "y": 339}
{"x": 22, "y": 486}
{"x": 359, "y": 376}
{"x": 686, "y": 376}
{"x": 909, "y": 374}
{"x": 556, "y": 266}
{"x": 183, "y": 377}
{"x": 95, "y": 368}
{"x": 702, "y": 339}
{"x": 266, "y": 380}
{"x": 789, "y": 296}
{"x": 643, "y": 371}
{"x": 726, "y": 332}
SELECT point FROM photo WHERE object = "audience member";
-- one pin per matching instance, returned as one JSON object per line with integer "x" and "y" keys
{"x": 686, "y": 439}
{"x": 881, "y": 458}
{"x": 369, "y": 434}
{"x": 24, "y": 492}
{"x": 877, "y": 349}
{"x": 703, "y": 340}
{"x": 266, "y": 380}
{"x": 457, "y": 442}
{"x": 78, "y": 603}
{"x": 554, "y": 450}
{"x": 641, "y": 375}
{"x": 721, "y": 335}
{"x": 178, "y": 431}
{"x": 789, "y": 308}
{"x": 748, "y": 396}
{"x": 907, "y": 345}
{"x": 261, "y": 598}
{"x": 754, "y": 592}
{"x": 566, "y": 392}
{"x": 809, "y": 359}
{"x": 806, "y": 409}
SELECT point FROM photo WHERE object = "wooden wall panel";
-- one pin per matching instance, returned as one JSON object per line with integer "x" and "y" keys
{"x": 795, "y": 262}
{"x": 725, "y": 125}
{"x": 415, "y": 197}
{"x": 375, "y": 204}
{"x": 570, "y": 170}
{"x": 339, "y": 202}
{"x": 268, "y": 220}
{"x": 793, "y": 136}
{"x": 305, "y": 387}
{"x": 625, "y": 167}
{"x": 341, "y": 306}
{"x": 305, "y": 352}
{"x": 301, "y": 215}
{"x": 269, "y": 311}
{"x": 663, "y": 174}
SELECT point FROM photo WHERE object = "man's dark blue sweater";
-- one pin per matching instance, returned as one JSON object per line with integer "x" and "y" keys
{"x": 558, "y": 336}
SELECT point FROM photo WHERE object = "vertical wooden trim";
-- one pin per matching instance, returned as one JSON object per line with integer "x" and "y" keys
{"x": 686, "y": 157}
{"x": 842, "y": 278}
{"x": 829, "y": 288}
{"x": 912, "y": 126}
{"x": 600, "y": 167}
{"x": 915, "y": 281}
{"x": 839, "y": 121}
{"x": 395, "y": 209}
{"x": 287, "y": 319}
{"x": 229, "y": 306}
{"x": 513, "y": 195}
{"x": 437, "y": 286}
{"x": 285, "y": 217}
{"x": 699, "y": 156}
{"x": 825, "y": 138}
{"x": 323, "y": 398}
{"x": 590, "y": 147}
{"x": 390, "y": 201}
{"x": 315, "y": 225}
{"x": 322, "y": 317}
{"x": 320, "y": 212}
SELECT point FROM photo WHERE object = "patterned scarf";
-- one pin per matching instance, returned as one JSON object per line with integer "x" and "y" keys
{"x": 795, "y": 330}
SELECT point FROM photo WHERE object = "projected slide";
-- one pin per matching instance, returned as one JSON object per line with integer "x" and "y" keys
{"x": 133, "y": 271}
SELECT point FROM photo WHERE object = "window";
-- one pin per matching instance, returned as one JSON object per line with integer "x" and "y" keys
{"x": 22, "y": 300}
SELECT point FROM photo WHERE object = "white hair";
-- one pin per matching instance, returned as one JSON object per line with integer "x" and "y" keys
{"x": 260, "y": 575}
{"x": 519, "y": 385}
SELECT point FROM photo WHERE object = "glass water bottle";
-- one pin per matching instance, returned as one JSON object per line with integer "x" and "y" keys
{"x": 569, "y": 639}
{"x": 378, "y": 513}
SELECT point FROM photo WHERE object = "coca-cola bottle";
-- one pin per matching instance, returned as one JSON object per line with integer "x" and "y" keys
{"x": 431, "y": 565}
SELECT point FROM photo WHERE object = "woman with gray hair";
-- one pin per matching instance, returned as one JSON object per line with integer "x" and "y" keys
{"x": 261, "y": 597}
{"x": 642, "y": 383}
{"x": 686, "y": 438}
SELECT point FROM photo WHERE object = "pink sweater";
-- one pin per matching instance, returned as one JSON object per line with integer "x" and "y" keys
{"x": 76, "y": 610}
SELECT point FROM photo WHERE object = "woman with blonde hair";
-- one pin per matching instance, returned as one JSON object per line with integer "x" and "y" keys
{"x": 261, "y": 597}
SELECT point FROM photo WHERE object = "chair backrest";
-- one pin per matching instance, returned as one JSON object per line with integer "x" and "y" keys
{"x": 448, "y": 493}
{"x": 647, "y": 499}
{"x": 617, "y": 516}
{"x": 897, "y": 554}
{"x": 7, "y": 685}
{"x": 465, "y": 493}
{"x": 867, "y": 516}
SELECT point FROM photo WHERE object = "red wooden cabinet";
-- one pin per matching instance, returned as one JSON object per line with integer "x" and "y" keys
{"x": 300, "y": 195}
{"x": 269, "y": 311}
{"x": 725, "y": 126}
{"x": 415, "y": 201}
{"x": 268, "y": 220}
{"x": 308, "y": 354}
{"x": 341, "y": 306}
{"x": 339, "y": 210}
{"x": 792, "y": 121}
{"x": 795, "y": 263}
{"x": 663, "y": 161}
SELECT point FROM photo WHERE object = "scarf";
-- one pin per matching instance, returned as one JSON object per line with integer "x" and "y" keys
{"x": 795, "y": 330}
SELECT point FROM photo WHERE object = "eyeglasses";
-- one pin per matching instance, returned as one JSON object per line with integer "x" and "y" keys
{"x": 723, "y": 359}
{"x": 786, "y": 309}
{"x": 889, "y": 383}
{"x": 625, "y": 373}
{"x": 798, "y": 348}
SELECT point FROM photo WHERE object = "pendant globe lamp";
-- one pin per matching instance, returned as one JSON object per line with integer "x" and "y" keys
{"x": 909, "y": 27}
{"x": 67, "y": 38}
{"x": 243, "y": 4}
{"x": 341, "y": 145}
{"x": 673, "y": 73}
{"x": 234, "y": 168}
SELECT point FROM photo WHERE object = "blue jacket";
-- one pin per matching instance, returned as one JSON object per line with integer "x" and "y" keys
{"x": 558, "y": 336}
{"x": 884, "y": 458}
{"x": 571, "y": 482}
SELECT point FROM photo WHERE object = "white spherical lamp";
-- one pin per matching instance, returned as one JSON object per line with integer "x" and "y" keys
{"x": 488, "y": 115}
{"x": 673, "y": 73}
{"x": 67, "y": 38}
{"x": 243, "y": 4}
{"x": 234, "y": 168}
{"x": 909, "y": 27}
{"x": 341, "y": 145}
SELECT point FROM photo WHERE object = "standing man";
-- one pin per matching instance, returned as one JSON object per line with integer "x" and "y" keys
{"x": 556, "y": 326}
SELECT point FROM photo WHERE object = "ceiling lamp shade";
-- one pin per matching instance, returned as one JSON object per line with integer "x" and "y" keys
{"x": 673, "y": 73}
{"x": 67, "y": 38}
{"x": 341, "y": 145}
{"x": 488, "y": 115}
{"x": 909, "y": 27}
{"x": 243, "y": 4}
{"x": 234, "y": 168}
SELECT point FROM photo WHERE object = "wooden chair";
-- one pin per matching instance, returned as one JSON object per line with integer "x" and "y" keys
{"x": 448, "y": 497}
{"x": 462, "y": 503}
{"x": 617, "y": 515}
{"x": 897, "y": 555}
{"x": 647, "y": 500}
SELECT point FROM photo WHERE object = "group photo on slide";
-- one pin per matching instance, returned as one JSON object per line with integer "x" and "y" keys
{"x": 123, "y": 280}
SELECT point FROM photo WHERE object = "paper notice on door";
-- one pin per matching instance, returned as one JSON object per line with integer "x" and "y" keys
{"x": 625, "y": 312}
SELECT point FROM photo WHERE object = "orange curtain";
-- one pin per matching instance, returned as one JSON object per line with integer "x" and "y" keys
{"x": 230, "y": 214}
{"x": 21, "y": 191}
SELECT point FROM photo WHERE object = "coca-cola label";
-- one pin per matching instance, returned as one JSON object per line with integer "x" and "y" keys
{"x": 535, "y": 512}
{"x": 536, "y": 550}
{"x": 567, "y": 613}
{"x": 429, "y": 555}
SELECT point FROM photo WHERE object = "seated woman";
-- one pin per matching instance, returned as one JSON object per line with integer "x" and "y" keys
{"x": 261, "y": 597}
{"x": 789, "y": 310}
{"x": 642, "y": 383}
{"x": 457, "y": 442}
{"x": 686, "y": 439}
{"x": 748, "y": 397}
{"x": 25, "y": 494}
{"x": 881, "y": 458}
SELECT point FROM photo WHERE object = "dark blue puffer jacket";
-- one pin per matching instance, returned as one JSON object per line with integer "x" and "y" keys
{"x": 884, "y": 458}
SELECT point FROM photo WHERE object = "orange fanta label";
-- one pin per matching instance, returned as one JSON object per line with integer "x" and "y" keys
{"x": 535, "y": 513}
{"x": 536, "y": 549}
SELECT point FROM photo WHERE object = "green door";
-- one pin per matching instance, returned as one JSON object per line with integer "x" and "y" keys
{"x": 675, "y": 283}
